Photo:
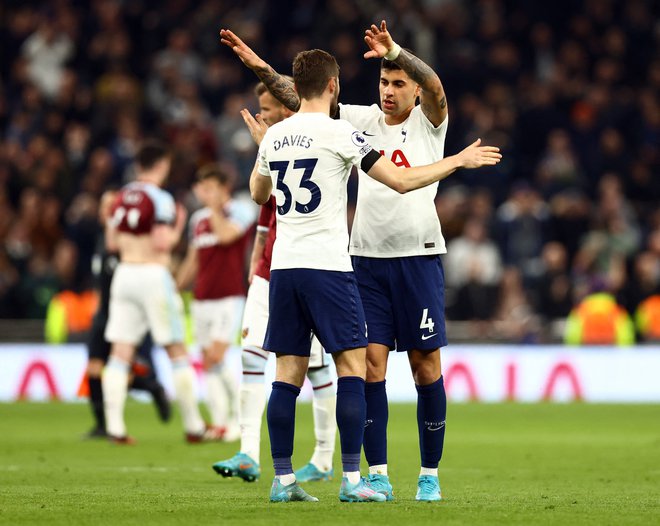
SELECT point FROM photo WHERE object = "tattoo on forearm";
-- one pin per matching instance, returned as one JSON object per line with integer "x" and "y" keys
{"x": 420, "y": 72}
{"x": 443, "y": 102}
{"x": 281, "y": 88}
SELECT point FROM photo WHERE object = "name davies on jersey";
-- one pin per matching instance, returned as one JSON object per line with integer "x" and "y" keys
{"x": 292, "y": 140}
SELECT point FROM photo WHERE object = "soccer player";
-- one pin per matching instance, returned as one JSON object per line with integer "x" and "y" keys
{"x": 396, "y": 254}
{"x": 245, "y": 464}
{"x": 307, "y": 159}
{"x": 98, "y": 348}
{"x": 145, "y": 226}
{"x": 215, "y": 261}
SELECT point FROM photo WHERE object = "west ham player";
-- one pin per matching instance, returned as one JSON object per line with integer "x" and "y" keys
{"x": 215, "y": 261}
{"x": 307, "y": 159}
{"x": 98, "y": 348}
{"x": 145, "y": 226}
{"x": 393, "y": 249}
{"x": 245, "y": 464}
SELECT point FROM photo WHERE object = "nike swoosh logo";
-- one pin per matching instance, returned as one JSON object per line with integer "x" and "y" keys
{"x": 244, "y": 466}
{"x": 434, "y": 428}
{"x": 427, "y": 336}
{"x": 368, "y": 134}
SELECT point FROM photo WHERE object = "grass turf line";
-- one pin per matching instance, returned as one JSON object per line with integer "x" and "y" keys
{"x": 503, "y": 464}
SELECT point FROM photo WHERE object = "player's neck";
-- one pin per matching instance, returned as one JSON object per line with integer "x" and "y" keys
{"x": 319, "y": 105}
{"x": 393, "y": 120}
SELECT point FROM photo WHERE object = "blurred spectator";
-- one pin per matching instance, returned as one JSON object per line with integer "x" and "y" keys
{"x": 553, "y": 288}
{"x": 473, "y": 270}
{"x": 46, "y": 52}
{"x": 569, "y": 94}
{"x": 522, "y": 229}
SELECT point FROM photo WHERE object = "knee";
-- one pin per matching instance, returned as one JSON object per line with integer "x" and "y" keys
{"x": 426, "y": 371}
{"x": 376, "y": 368}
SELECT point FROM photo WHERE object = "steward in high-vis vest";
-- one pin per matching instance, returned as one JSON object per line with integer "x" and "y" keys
{"x": 647, "y": 318}
{"x": 599, "y": 320}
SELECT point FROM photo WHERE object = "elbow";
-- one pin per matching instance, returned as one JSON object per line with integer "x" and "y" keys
{"x": 402, "y": 186}
{"x": 259, "y": 197}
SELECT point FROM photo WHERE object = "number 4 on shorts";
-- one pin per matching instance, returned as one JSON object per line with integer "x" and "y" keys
{"x": 426, "y": 323}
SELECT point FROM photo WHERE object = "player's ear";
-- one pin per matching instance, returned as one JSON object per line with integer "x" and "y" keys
{"x": 333, "y": 84}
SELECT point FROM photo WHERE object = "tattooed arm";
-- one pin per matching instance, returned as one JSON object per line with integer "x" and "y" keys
{"x": 433, "y": 100}
{"x": 278, "y": 85}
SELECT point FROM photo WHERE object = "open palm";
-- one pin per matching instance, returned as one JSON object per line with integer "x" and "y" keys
{"x": 379, "y": 41}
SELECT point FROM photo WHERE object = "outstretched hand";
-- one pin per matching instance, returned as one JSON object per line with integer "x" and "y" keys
{"x": 256, "y": 125}
{"x": 475, "y": 156}
{"x": 242, "y": 50}
{"x": 379, "y": 41}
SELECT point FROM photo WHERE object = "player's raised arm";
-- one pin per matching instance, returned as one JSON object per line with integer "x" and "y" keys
{"x": 432, "y": 99}
{"x": 406, "y": 179}
{"x": 278, "y": 85}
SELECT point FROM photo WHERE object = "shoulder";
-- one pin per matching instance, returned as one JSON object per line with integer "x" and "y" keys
{"x": 352, "y": 112}
{"x": 199, "y": 215}
{"x": 417, "y": 116}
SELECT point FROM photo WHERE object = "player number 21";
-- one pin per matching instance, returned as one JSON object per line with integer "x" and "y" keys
{"x": 308, "y": 166}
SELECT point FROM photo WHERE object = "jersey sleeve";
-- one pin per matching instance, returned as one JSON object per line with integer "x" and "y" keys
{"x": 164, "y": 208}
{"x": 359, "y": 116}
{"x": 350, "y": 144}
{"x": 433, "y": 130}
{"x": 241, "y": 215}
{"x": 262, "y": 168}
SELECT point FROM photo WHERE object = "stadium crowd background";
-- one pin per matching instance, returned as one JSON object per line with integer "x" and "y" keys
{"x": 569, "y": 90}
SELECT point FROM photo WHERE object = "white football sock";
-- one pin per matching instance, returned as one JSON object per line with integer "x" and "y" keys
{"x": 325, "y": 427}
{"x": 429, "y": 471}
{"x": 231, "y": 392}
{"x": 287, "y": 479}
{"x": 352, "y": 476}
{"x": 216, "y": 397}
{"x": 378, "y": 469}
{"x": 115, "y": 387}
{"x": 184, "y": 385}
{"x": 252, "y": 403}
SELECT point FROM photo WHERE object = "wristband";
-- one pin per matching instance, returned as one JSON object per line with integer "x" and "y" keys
{"x": 393, "y": 53}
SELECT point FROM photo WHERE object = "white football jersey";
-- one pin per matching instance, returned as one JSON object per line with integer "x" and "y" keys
{"x": 309, "y": 158}
{"x": 389, "y": 224}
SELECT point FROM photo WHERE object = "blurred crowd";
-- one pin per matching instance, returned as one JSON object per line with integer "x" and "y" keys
{"x": 569, "y": 90}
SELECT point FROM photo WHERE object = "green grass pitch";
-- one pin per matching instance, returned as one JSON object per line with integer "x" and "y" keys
{"x": 503, "y": 464}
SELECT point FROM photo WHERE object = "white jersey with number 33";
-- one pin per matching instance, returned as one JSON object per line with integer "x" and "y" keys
{"x": 388, "y": 224}
{"x": 309, "y": 158}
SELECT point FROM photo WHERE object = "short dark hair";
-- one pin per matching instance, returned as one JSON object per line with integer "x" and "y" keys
{"x": 214, "y": 171}
{"x": 150, "y": 153}
{"x": 311, "y": 72}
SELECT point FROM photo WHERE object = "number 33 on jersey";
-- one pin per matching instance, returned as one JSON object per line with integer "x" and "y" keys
{"x": 309, "y": 157}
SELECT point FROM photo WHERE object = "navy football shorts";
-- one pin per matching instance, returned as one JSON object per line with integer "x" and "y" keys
{"x": 305, "y": 301}
{"x": 404, "y": 301}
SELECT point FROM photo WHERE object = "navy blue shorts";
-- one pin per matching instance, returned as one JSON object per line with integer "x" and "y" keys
{"x": 404, "y": 301}
{"x": 305, "y": 301}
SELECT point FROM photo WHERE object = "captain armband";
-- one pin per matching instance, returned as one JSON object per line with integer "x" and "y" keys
{"x": 369, "y": 160}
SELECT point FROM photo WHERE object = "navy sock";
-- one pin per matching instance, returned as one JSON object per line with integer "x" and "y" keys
{"x": 281, "y": 416}
{"x": 96, "y": 401}
{"x": 351, "y": 413}
{"x": 431, "y": 415}
{"x": 375, "y": 427}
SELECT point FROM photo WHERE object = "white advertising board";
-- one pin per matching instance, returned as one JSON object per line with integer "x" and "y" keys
{"x": 472, "y": 372}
